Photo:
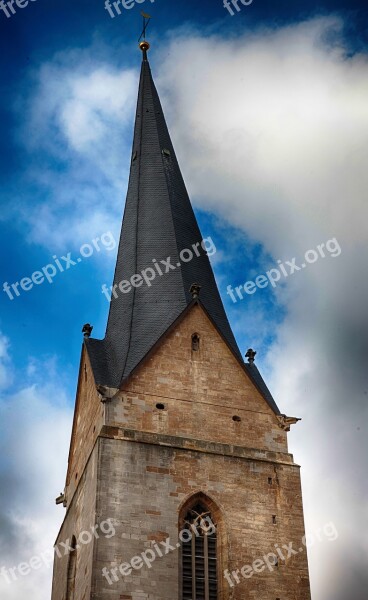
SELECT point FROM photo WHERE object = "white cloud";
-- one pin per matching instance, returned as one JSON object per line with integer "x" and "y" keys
{"x": 76, "y": 126}
{"x": 274, "y": 124}
{"x": 5, "y": 373}
{"x": 96, "y": 101}
{"x": 270, "y": 130}
{"x": 34, "y": 446}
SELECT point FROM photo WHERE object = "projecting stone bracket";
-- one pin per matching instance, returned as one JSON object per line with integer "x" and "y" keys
{"x": 106, "y": 394}
{"x": 61, "y": 500}
{"x": 285, "y": 422}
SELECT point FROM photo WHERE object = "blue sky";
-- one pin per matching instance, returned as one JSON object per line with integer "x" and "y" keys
{"x": 267, "y": 111}
{"x": 28, "y": 40}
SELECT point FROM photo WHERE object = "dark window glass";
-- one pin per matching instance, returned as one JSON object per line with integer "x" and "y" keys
{"x": 199, "y": 555}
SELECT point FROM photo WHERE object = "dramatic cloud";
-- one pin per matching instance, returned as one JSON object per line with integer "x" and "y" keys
{"x": 271, "y": 134}
{"x": 270, "y": 130}
{"x": 76, "y": 126}
{"x": 34, "y": 447}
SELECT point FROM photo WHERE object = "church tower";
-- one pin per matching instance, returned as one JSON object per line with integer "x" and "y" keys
{"x": 179, "y": 484}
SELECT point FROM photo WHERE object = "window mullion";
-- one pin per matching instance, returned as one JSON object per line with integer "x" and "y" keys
{"x": 206, "y": 570}
{"x": 194, "y": 596}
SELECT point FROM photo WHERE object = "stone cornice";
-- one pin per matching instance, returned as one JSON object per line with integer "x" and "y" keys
{"x": 183, "y": 443}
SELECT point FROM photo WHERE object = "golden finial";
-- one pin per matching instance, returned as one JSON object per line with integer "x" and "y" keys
{"x": 144, "y": 46}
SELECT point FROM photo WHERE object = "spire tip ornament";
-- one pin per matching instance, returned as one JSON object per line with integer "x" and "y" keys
{"x": 144, "y": 45}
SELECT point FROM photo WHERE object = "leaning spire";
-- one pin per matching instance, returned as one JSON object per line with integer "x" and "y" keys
{"x": 161, "y": 251}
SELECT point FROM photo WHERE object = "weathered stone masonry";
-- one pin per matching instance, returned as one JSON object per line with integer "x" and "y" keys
{"x": 147, "y": 461}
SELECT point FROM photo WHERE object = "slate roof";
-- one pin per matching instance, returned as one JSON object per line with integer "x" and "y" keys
{"x": 252, "y": 370}
{"x": 158, "y": 223}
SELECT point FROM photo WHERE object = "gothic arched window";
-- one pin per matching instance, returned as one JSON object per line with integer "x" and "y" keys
{"x": 72, "y": 569}
{"x": 199, "y": 554}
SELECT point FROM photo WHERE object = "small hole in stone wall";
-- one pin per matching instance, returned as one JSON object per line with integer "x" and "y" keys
{"x": 195, "y": 342}
{"x": 270, "y": 481}
{"x": 274, "y": 519}
{"x": 76, "y": 476}
{"x": 236, "y": 419}
{"x": 160, "y": 406}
